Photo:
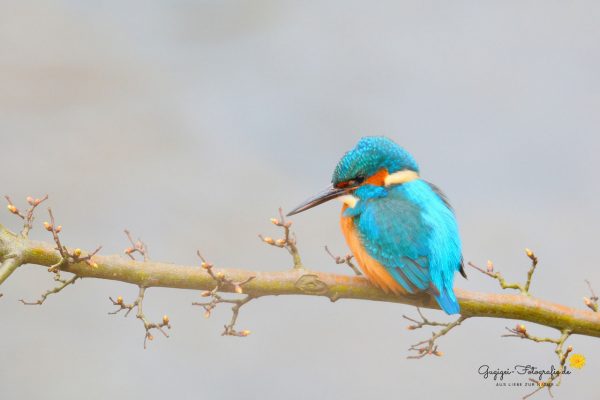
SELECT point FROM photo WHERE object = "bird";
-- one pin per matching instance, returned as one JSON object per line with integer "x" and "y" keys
{"x": 400, "y": 228}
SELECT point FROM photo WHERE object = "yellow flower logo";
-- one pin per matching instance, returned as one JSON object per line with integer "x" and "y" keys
{"x": 577, "y": 361}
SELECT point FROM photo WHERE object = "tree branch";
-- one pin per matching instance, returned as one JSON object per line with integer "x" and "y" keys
{"x": 8, "y": 266}
{"x": 296, "y": 281}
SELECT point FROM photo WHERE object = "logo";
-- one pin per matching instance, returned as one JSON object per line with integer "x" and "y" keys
{"x": 526, "y": 371}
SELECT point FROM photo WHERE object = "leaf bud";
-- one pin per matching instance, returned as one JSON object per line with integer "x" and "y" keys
{"x": 529, "y": 253}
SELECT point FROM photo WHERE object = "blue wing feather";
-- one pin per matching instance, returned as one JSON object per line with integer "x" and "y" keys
{"x": 412, "y": 232}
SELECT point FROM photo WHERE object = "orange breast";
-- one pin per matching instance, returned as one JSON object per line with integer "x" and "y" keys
{"x": 373, "y": 270}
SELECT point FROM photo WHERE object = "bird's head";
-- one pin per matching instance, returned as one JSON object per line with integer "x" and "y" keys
{"x": 375, "y": 160}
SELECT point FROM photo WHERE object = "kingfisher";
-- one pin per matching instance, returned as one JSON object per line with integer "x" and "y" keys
{"x": 400, "y": 228}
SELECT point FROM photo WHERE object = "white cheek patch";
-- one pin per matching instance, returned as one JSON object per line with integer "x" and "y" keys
{"x": 400, "y": 177}
{"x": 349, "y": 200}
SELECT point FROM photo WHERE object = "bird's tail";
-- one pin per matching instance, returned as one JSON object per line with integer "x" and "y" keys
{"x": 447, "y": 301}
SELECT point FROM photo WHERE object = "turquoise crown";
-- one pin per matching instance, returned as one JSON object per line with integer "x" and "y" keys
{"x": 371, "y": 154}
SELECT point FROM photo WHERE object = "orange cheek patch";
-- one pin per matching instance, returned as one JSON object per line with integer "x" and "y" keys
{"x": 378, "y": 179}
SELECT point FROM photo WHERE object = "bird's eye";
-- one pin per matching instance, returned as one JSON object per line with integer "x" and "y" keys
{"x": 356, "y": 181}
{"x": 350, "y": 183}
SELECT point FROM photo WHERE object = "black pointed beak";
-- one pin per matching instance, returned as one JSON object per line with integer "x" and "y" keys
{"x": 326, "y": 195}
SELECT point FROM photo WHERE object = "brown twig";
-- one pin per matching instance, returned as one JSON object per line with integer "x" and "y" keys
{"x": 136, "y": 246}
{"x": 29, "y": 213}
{"x": 534, "y": 263}
{"x": 63, "y": 284}
{"x": 223, "y": 282}
{"x": 138, "y": 303}
{"x": 523, "y": 288}
{"x": 347, "y": 259}
{"x": 429, "y": 346}
{"x": 592, "y": 301}
{"x": 66, "y": 256}
{"x": 289, "y": 241}
{"x": 520, "y": 331}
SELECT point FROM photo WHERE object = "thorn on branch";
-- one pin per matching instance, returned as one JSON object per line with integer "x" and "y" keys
{"x": 67, "y": 257}
{"x": 347, "y": 259}
{"x": 429, "y": 346}
{"x": 138, "y": 303}
{"x": 592, "y": 301}
{"x": 63, "y": 283}
{"x": 222, "y": 281}
{"x": 523, "y": 288}
{"x": 136, "y": 247}
{"x": 28, "y": 217}
{"x": 288, "y": 241}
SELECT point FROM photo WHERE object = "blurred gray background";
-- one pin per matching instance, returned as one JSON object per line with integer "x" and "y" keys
{"x": 190, "y": 122}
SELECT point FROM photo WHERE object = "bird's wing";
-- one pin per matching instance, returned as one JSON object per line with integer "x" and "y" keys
{"x": 440, "y": 194}
{"x": 393, "y": 233}
{"x": 419, "y": 247}
{"x": 446, "y": 202}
